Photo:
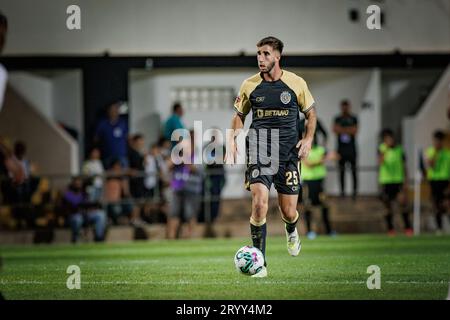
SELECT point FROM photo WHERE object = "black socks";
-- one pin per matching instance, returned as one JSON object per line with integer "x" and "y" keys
{"x": 258, "y": 231}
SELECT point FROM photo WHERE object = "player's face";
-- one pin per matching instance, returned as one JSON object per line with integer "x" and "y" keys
{"x": 267, "y": 58}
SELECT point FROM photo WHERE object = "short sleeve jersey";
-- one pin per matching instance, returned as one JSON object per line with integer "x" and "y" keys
{"x": 392, "y": 170}
{"x": 276, "y": 105}
{"x": 441, "y": 169}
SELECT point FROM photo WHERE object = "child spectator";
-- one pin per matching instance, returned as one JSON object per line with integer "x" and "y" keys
{"x": 93, "y": 170}
{"x": 186, "y": 185}
{"x": 82, "y": 212}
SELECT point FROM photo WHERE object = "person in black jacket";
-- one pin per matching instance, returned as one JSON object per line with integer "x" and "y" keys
{"x": 346, "y": 128}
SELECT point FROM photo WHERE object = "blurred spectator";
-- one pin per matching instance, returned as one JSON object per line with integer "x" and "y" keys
{"x": 438, "y": 175}
{"x": 11, "y": 171}
{"x": 215, "y": 177}
{"x": 81, "y": 212}
{"x": 111, "y": 135}
{"x": 43, "y": 203}
{"x": 151, "y": 164}
{"x": 393, "y": 178}
{"x": 165, "y": 148}
{"x": 5, "y": 154}
{"x": 21, "y": 192}
{"x": 150, "y": 183}
{"x": 346, "y": 128}
{"x": 186, "y": 186}
{"x": 3, "y": 72}
{"x": 320, "y": 129}
{"x": 118, "y": 197}
{"x": 314, "y": 173}
{"x": 174, "y": 122}
{"x": 164, "y": 164}
{"x": 94, "y": 171}
{"x": 136, "y": 155}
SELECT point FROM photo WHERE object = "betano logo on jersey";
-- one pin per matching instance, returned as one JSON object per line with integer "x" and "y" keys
{"x": 262, "y": 113}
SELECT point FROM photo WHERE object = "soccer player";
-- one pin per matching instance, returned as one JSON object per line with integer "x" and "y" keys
{"x": 393, "y": 179}
{"x": 275, "y": 97}
{"x": 438, "y": 174}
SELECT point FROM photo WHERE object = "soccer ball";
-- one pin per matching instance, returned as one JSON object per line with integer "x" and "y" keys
{"x": 249, "y": 260}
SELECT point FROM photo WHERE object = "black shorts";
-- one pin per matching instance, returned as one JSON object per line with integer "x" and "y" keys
{"x": 438, "y": 190}
{"x": 286, "y": 179}
{"x": 313, "y": 192}
{"x": 390, "y": 191}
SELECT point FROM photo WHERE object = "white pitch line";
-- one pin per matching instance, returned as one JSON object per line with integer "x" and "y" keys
{"x": 189, "y": 282}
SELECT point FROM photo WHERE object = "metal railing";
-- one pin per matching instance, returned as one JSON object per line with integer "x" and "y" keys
{"x": 206, "y": 197}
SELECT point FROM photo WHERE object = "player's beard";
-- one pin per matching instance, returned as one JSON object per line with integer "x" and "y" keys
{"x": 269, "y": 67}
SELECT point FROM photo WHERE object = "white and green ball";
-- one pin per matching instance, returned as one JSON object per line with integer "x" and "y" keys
{"x": 249, "y": 260}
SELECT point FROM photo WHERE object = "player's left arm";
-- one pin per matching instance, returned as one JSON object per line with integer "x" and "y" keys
{"x": 305, "y": 144}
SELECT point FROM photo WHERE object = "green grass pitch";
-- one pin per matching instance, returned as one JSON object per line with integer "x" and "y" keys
{"x": 327, "y": 268}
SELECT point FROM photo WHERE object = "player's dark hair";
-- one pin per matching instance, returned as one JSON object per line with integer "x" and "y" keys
{"x": 275, "y": 43}
{"x": 176, "y": 106}
{"x": 387, "y": 133}
{"x": 3, "y": 20}
{"x": 439, "y": 135}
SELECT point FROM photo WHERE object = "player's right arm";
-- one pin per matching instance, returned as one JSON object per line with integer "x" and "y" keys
{"x": 237, "y": 123}
{"x": 242, "y": 107}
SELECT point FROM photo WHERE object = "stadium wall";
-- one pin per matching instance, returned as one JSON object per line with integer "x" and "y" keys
{"x": 223, "y": 27}
{"x": 48, "y": 146}
{"x": 36, "y": 89}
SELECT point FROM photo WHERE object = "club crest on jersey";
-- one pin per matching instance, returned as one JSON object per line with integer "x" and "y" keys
{"x": 285, "y": 97}
{"x": 255, "y": 173}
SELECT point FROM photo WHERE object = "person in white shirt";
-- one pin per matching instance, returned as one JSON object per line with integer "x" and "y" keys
{"x": 151, "y": 170}
{"x": 93, "y": 168}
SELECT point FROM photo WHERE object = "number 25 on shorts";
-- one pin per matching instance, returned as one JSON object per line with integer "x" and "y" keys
{"x": 291, "y": 178}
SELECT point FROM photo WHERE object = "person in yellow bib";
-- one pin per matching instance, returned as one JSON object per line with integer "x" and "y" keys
{"x": 313, "y": 174}
{"x": 438, "y": 174}
{"x": 393, "y": 179}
